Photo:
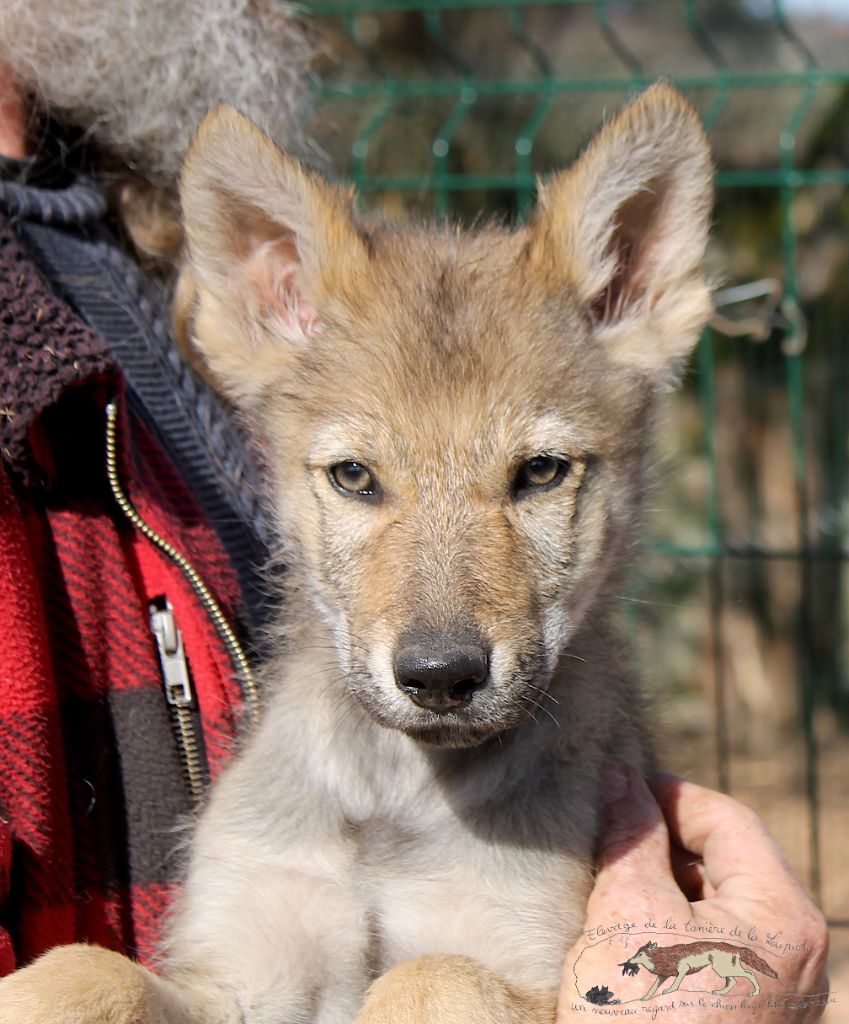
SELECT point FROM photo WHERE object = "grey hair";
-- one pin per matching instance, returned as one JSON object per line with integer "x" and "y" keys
{"x": 138, "y": 75}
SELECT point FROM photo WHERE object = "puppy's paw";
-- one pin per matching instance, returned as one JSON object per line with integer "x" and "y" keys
{"x": 78, "y": 985}
{"x": 451, "y": 990}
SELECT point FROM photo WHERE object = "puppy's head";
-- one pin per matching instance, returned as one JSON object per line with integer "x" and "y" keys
{"x": 455, "y": 423}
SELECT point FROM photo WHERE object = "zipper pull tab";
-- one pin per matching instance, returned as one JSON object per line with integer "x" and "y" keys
{"x": 172, "y": 656}
{"x": 177, "y": 684}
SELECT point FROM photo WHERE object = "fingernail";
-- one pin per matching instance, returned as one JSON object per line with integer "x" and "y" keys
{"x": 614, "y": 781}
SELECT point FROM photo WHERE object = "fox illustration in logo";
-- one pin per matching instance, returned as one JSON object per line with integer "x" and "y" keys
{"x": 730, "y": 962}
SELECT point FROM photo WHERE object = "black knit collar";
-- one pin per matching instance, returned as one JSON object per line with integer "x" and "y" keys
{"x": 38, "y": 171}
{"x": 60, "y": 157}
{"x": 77, "y": 203}
{"x": 51, "y": 187}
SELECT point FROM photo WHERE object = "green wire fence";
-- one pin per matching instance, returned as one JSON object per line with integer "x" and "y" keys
{"x": 453, "y": 107}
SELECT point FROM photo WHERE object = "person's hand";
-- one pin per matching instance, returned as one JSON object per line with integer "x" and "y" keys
{"x": 695, "y": 915}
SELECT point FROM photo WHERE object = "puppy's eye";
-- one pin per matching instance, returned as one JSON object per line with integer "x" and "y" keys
{"x": 353, "y": 478}
{"x": 540, "y": 473}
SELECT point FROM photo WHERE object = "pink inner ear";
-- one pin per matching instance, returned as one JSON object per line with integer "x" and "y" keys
{"x": 608, "y": 306}
{"x": 272, "y": 271}
{"x": 637, "y": 245}
{"x": 292, "y": 303}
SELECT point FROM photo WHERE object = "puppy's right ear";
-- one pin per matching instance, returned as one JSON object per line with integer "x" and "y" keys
{"x": 268, "y": 242}
{"x": 625, "y": 231}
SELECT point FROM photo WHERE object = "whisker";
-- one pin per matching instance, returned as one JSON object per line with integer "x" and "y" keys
{"x": 544, "y": 710}
{"x": 544, "y": 693}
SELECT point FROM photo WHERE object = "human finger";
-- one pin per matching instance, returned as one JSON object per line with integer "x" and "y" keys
{"x": 740, "y": 857}
{"x": 634, "y": 868}
{"x": 688, "y": 869}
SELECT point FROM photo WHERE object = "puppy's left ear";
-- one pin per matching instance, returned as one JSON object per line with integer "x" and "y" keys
{"x": 624, "y": 230}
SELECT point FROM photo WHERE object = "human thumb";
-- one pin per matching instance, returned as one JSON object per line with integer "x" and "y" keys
{"x": 634, "y": 873}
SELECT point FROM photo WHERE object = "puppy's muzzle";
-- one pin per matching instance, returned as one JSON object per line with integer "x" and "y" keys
{"x": 441, "y": 676}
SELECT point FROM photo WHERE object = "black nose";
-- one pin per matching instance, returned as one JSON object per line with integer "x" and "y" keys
{"x": 440, "y": 677}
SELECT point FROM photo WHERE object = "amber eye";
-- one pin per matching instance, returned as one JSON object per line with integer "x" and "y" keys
{"x": 353, "y": 478}
{"x": 540, "y": 473}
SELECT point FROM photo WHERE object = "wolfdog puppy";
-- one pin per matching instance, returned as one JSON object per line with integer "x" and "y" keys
{"x": 456, "y": 430}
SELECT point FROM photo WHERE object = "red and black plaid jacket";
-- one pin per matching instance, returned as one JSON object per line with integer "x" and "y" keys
{"x": 92, "y": 790}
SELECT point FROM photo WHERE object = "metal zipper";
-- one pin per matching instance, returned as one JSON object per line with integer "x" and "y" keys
{"x": 178, "y": 692}
{"x": 204, "y": 595}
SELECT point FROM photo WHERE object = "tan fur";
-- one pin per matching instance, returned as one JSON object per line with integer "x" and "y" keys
{"x": 358, "y": 831}
{"x": 432, "y": 988}
{"x": 85, "y": 984}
